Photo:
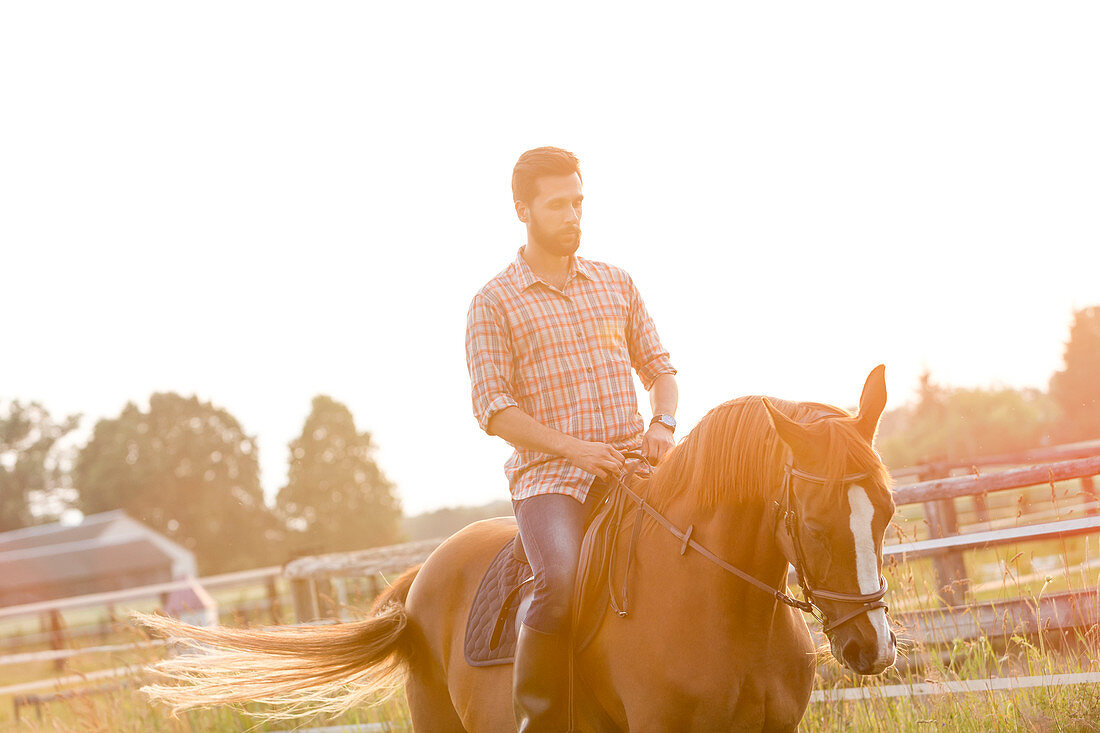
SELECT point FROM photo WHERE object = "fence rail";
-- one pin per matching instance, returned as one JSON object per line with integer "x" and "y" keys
{"x": 977, "y": 540}
{"x": 1047, "y": 454}
{"x": 992, "y": 684}
{"x": 1060, "y": 611}
{"x": 243, "y": 577}
{"x": 55, "y": 654}
{"x": 962, "y": 486}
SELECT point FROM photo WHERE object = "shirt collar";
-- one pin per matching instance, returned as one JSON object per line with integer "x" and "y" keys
{"x": 525, "y": 278}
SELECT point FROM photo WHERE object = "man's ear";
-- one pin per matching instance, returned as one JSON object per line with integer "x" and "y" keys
{"x": 872, "y": 402}
{"x": 791, "y": 432}
{"x": 522, "y": 211}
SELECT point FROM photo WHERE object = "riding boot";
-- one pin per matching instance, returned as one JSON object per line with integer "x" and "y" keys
{"x": 541, "y": 682}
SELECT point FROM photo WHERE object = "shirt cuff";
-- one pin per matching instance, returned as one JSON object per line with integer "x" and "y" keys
{"x": 654, "y": 368}
{"x": 498, "y": 403}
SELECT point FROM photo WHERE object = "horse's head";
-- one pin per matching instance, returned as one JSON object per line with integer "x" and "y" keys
{"x": 837, "y": 506}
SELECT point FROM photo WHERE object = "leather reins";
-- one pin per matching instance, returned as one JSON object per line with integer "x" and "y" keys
{"x": 868, "y": 601}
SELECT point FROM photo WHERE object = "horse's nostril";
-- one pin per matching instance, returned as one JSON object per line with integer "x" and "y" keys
{"x": 893, "y": 638}
{"x": 850, "y": 652}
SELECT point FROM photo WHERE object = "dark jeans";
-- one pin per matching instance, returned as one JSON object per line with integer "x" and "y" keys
{"x": 552, "y": 527}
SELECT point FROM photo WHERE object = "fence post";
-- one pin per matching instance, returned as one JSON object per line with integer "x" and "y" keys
{"x": 273, "y": 600}
{"x": 374, "y": 587}
{"x": 52, "y": 623}
{"x": 326, "y": 601}
{"x": 304, "y": 599}
{"x": 981, "y": 508}
{"x": 341, "y": 587}
{"x": 1088, "y": 492}
{"x": 943, "y": 521}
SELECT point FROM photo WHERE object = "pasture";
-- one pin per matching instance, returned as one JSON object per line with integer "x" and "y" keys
{"x": 1046, "y": 659}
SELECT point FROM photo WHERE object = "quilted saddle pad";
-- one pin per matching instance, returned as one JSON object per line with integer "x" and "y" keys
{"x": 505, "y": 573}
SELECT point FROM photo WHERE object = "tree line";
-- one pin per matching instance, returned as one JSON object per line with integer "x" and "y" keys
{"x": 953, "y": 423}
{"x": 187, "y": 469}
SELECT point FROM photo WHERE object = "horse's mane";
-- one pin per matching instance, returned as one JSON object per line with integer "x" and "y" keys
{"x": 735, "y": 454}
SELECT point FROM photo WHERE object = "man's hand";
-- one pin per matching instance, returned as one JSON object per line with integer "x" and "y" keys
{"x": 598, "y": 459}
{"x": 656, "y": 442}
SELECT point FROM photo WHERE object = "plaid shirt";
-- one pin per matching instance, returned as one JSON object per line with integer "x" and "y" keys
{"x": 563, "y": 357}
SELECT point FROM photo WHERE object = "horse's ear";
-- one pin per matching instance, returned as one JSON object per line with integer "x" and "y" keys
{"x": 791, "y": 432}
{"x": 872, "y": 402}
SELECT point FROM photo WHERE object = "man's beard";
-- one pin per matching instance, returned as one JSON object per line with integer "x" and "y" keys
{"x": 562, "y": 243}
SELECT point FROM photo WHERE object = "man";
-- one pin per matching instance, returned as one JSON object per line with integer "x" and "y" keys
{"x": 550, "y": 343}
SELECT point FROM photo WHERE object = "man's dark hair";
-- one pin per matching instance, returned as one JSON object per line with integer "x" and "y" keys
{"x": 539, "y": 162}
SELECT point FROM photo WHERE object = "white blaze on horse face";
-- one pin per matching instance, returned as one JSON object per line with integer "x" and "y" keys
{"x": 863, "y": 511}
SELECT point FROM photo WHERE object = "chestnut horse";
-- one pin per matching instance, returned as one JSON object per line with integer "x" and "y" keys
{"x": 712, "y": 641}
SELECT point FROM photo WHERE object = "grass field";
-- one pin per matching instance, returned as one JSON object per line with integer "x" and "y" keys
{"x": 126, "y": 711}
{"x": 1058, "y": 708}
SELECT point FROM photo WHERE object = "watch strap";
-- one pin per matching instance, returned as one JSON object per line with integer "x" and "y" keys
{"x": 667, "y": 420}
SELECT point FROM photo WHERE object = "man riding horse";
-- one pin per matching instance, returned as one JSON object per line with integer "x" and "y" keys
{"x": 550, "y": 344}
{"x": 714, "y": 639}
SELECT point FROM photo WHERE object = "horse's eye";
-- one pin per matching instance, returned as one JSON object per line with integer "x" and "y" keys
{"x": 816, "y": 531}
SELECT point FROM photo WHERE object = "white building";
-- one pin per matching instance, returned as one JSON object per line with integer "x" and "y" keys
{"x": 105, "y": 552}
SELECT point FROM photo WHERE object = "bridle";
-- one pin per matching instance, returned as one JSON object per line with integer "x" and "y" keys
{"x": 867, "y": 602}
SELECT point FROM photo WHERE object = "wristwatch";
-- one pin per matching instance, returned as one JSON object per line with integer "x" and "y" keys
{"x": 667, "y": 420}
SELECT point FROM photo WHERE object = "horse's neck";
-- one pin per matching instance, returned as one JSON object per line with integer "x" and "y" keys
{"x": 695, "y": 625}
{"x": 741, "y": 534}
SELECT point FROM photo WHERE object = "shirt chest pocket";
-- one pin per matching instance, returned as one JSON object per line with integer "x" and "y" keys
{"x": 611, "y": 333}
{"x": 610, "y": 322}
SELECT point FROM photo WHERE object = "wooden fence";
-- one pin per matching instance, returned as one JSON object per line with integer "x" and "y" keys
{"x": 947, "y": 546}
{"x": 318, "y": 584}
{"x": 60, "y": 638}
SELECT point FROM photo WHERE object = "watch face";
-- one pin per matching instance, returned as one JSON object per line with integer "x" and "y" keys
{"x": 667, "y": 420}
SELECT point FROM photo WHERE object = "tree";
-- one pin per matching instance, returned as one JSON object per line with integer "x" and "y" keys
{"x": 187, "y": 469}
{"x": 951, "y": 423}
{"x": 336, "y": 497}
{"x": 31, "y": 461}
{"x": 1076, "y": 388}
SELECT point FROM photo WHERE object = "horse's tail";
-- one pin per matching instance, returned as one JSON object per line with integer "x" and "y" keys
{"x": 297, "y": 670}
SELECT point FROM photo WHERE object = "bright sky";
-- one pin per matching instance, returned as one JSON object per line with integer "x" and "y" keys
{"x": 256, "y": 202}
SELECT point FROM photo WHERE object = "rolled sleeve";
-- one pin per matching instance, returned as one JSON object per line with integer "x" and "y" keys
{"x": 489, "y": 360}
{"x": 648, "y": 357}
{"x": 495, "y": 405}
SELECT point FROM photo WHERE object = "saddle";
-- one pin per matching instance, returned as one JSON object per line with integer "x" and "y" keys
{"x": 491, "y": 626}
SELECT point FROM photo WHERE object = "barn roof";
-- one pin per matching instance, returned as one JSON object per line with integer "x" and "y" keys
{"x": 93, "y": 525}
{"x": 107, "y": 551}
